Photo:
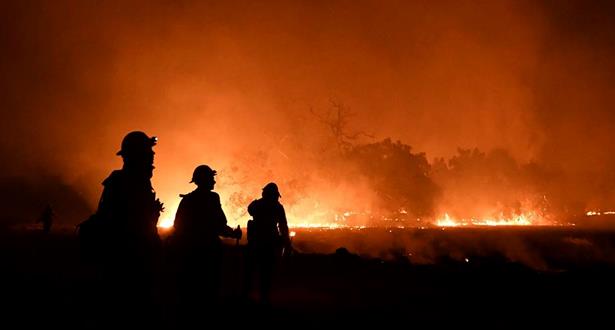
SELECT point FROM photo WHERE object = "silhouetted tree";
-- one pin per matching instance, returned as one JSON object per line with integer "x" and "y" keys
{"x": 337, "y": 120}
{"x": 399, "y": 177}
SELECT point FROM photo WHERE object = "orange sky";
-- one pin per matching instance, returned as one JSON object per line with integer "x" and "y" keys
{"x": 230, "y": 84}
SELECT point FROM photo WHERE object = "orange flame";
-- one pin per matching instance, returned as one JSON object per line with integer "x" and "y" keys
{"x": 525, "y": 219}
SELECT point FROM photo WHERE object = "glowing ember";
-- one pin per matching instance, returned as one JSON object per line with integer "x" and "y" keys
{"x": 316, "y": 225}
{"x": 595, "y": 213}
{"x": 526, "y": 219}
{"x": 323, "y": 219}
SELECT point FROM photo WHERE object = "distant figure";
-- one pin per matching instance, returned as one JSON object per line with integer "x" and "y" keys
{"x": 46, "y": 219}
{"x": 199, "y": 223}
{"x": 267, "y": 236}
{"x": 127, "y": 214}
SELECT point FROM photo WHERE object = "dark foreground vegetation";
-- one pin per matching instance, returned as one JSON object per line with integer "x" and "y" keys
{"x": 44, "y": 282}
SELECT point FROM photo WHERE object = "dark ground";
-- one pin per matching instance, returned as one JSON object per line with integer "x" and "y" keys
{"x": 45, "y": 283}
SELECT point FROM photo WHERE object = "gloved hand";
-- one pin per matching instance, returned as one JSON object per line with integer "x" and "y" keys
{"x": 158, "y": 209}
{"x": 286, "y": 243}
{"x": 287, "y": 246}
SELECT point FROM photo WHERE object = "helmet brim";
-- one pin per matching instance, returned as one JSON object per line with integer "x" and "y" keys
{"x": 152, "y": 142}
{"x": 213, "y": 173}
